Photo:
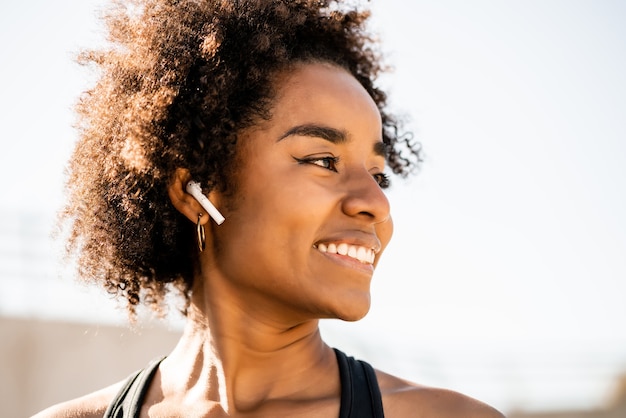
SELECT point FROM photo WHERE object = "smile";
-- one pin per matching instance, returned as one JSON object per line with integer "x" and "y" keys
{"x": 362, "y": 254}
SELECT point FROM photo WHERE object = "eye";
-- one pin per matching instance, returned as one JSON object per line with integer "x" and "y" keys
{"x": 383, "y": 180}
{"x": 329, "y": 163}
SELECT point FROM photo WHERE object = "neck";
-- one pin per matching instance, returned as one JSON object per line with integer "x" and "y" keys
{"x": 241, "y": 357}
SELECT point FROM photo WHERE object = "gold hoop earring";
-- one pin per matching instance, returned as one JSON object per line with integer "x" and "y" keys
{"x": 201, "y": 236}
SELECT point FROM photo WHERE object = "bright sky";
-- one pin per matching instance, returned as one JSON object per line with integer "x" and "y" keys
{"x": 506, "y": 278}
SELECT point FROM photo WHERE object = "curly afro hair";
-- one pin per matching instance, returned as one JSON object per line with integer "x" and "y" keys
{"x": 178, "y": 80}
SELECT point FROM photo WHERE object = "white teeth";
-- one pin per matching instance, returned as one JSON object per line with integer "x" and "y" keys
{"x": 363, "y": 254}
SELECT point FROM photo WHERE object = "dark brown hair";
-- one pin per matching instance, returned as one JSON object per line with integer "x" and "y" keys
{"x": 177, "y": 82}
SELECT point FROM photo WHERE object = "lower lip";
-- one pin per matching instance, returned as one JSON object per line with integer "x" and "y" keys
{"x": 349, "y": 262}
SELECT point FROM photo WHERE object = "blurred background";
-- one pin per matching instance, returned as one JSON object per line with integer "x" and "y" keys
{"x": 506, "y": 277}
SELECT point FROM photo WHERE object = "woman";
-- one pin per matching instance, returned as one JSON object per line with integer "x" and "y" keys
{"x": 270, "y": 108}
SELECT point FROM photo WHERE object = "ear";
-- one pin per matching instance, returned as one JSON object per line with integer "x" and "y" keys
{"x": 183, "y": 201}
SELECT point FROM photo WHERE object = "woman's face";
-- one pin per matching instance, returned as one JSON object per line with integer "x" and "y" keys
{"x": 309, "y": 219}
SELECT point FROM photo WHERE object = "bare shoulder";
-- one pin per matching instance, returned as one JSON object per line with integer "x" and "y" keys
{"x": 406, "y": 399}
{"x": 88, "y": 406}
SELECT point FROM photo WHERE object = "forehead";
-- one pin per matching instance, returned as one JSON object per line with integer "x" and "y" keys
{"x": 319, "y": 90}
{"x": 321, "y": 95}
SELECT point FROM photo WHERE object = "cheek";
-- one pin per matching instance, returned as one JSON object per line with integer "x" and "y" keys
{"x": 266, "y": 226}
{"x": 384, "y": 231}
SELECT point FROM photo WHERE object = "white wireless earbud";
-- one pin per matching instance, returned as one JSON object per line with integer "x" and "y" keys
{"x": 193, "y": 188}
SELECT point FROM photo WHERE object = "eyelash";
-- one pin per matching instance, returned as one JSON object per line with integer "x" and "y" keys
{"x": 383, "y": 180}
{"x": 330, "y": 163}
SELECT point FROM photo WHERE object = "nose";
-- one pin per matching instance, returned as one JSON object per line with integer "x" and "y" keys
{"x": 365, "y": 199}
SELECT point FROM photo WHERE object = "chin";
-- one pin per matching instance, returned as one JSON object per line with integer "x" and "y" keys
{"x": 353, "y": 318}
{"x": 353, "y": 311}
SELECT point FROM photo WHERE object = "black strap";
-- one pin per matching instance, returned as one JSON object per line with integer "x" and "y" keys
{"x": 360, "y": 394}
{"x": 128, "y": 401}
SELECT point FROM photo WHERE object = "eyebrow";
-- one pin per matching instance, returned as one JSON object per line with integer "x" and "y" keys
{"x": 333, "y": 135}
{"x": 327, "y": 133}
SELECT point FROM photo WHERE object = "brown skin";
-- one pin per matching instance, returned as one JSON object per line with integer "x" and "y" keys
{"x": 251, "y": 347}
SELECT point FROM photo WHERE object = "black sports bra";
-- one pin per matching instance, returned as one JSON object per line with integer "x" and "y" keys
{"x": 360, "y": 394}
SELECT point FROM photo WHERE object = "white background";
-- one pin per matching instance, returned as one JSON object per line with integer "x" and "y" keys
{"x": 506, "y": 278}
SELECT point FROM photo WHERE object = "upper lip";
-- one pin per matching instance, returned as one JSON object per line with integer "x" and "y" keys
{"x": 357, "y": 238}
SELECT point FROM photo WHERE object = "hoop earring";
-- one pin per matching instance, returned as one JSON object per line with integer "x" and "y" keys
{"x": 201, "y": 236}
